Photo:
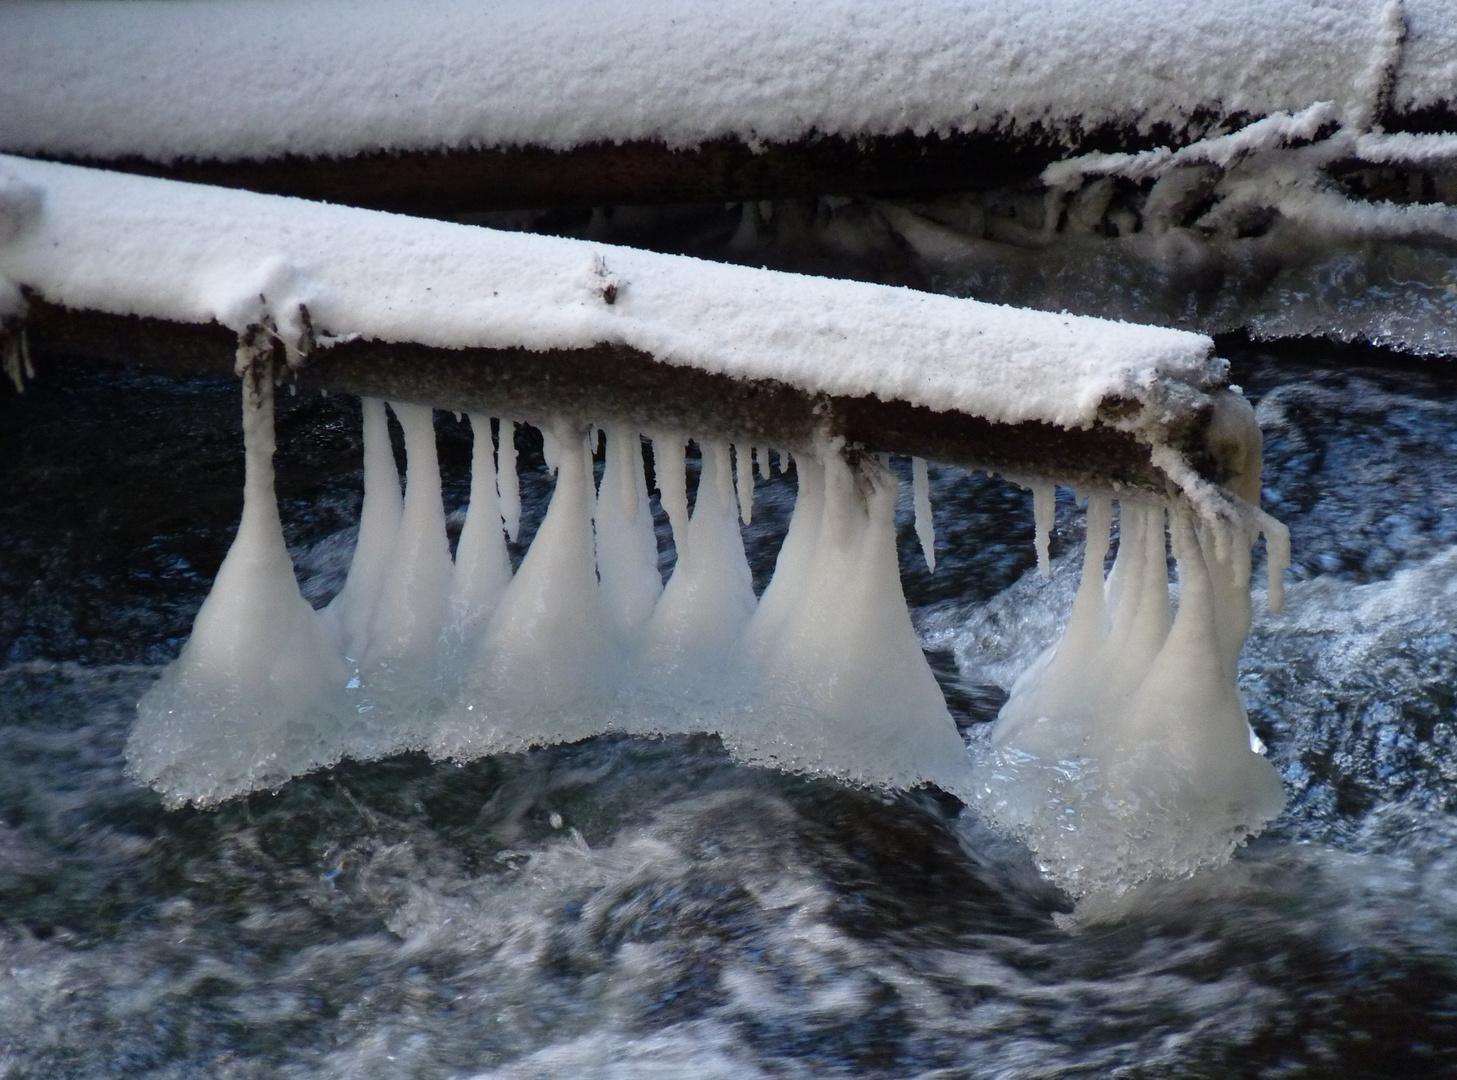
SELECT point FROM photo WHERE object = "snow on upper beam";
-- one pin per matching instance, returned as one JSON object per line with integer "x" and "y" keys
{"x": 238, "y": 79}
{"x": 95, "y": 240}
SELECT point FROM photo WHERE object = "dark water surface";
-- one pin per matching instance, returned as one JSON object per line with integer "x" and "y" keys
{"x": 646, "y": 908}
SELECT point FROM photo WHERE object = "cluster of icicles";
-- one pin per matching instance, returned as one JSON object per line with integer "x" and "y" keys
{"x": 460, "y": 657}
{"x": 1124, "y": 751}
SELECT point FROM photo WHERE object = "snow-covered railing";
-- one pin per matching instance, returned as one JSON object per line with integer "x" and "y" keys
{"x": 452, "y": 106}
{"x": 461, "y": 316}
{"x": 458, "y": 655}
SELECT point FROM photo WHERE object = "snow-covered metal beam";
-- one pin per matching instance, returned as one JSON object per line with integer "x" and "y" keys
{"x": 465, "y": 316}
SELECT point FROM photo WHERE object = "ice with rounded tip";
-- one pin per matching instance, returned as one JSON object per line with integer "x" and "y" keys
{"x": 550, "y": 651}
{"x": 414, "y": 591}
{"x": 627, "y": 547}
{"x": 921, "y": 499}
{"x": 670, "y": 472}
{"x": 845, "y": 688}
{"x": 1124, "y": 752}
{"x": 1043, "y": 509}
{"x": 508, "y": 483}
{"x": 258, "y": 692}
{"x": 351, "y": 612}
{"x": 482, "y": 564}
{"x": 744, "y": 482}
{"x": 693, "y": 636}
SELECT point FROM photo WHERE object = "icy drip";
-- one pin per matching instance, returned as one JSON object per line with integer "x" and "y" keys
{"x": 791, "y": 570}
{"x": 482, "y": 564}
{"x": 352, "y": 611}
{"x": 670, "y": 472}
{"x": 845, "y": 688}
{"x": 1043, "y": 505}
{"x": 1139, "y": 600}
{"x": 1051, "y": 702}
{"x": 550, "y": 655}
{"x": 508, "y": 484}
{"x": 1125, "y": 752}
{"x": 693, "y": 637}
{"x": 1187, "y": 704}
{"x": 925, "y": 525}
{"x": 404, "y": 634}
{"x": 1277, "y": 559}
{"x": 627, "y": 547}
{"x": 258, "y": 685}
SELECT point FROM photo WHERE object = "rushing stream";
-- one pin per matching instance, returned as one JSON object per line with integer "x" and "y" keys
{"x": 647, "y": 908}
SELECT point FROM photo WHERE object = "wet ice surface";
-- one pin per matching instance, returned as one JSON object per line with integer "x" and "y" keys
{"x": 633, "y": 908}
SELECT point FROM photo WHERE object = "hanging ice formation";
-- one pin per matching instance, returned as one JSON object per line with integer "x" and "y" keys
{"x": 1123, "y": 752}
{"x": 258, "y": 694}
{"x": 465, "y": 658}
{"x": 840, "y": 682}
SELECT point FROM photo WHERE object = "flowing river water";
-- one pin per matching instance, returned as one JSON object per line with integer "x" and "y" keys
{"x": 646, "y": 908}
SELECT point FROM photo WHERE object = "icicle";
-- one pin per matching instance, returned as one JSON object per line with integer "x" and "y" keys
{"x": 352, "y": 611}
{"x": 1049, "y": 707}
{"x": 847, "y": 686}
{"x": 1187, "y": 713}
{"x": 743, "y": 485}
{"x": 925, "y": 525}
{"x": 1138, "y": 597}
{"x": 482, "y": 564}
{"x": 787, "y": 587}
{"x": 508, "y": 484}
{"x": 627, "y": 547}
{"x": 671, "y": 474}
{"x": 1228, "y": 569}
{"x": 257, "y": 695}
{"x": 1043, "y": 506}
{"x": 693, "y": 636}
{"x": 758, "y": 455}
{"x": 1277, "y": 558}
{"x": 549, "y": 657}
{"x": 405, "y": 631}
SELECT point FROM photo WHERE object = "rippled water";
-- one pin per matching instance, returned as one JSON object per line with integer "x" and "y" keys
{"x": 644, "y": 908}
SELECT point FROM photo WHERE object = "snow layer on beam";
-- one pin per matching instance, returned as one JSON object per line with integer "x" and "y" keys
{"x": 91, "y": 239}
{"x": 233, "y": 79}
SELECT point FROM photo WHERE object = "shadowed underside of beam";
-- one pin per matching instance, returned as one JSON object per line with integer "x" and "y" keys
{"x": 446, "y": 183}
{"x": 453, "y": 182}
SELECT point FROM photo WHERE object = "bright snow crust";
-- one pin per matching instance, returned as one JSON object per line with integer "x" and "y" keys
{"x": 95, "y": 240}
{"x": 257, "y": 78}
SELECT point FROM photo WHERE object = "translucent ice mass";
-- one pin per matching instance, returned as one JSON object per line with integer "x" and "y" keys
{"x": 1122, "y": 753}
{"x": 258, "y": 694}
